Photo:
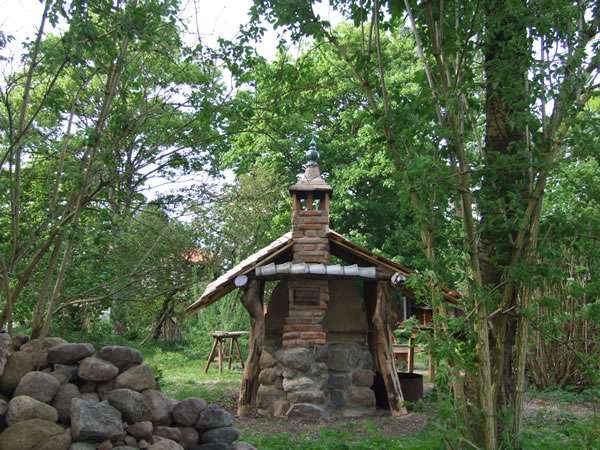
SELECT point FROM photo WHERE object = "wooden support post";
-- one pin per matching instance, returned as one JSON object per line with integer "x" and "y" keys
{"x": 384, "y": 353}
{"x": 253, "y": 302}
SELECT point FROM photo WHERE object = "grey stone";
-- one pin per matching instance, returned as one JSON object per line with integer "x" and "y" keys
{"x": 172, "y": 433}
{"x": 269, "y": 375}
{"x": 90, "y": 396}
{"x": 365, "y": 360}
{"x": 125, "y": 447}
{"x": 130, "y": 440}
{"x": 306, "y": 411}
{"x": 361, "y": 396}
{"x": 186, "y": 412}
{"x": 165, "y": 444}
{"x": 39, "y": 385}
{"x": 69, "y": 353}
{"x": 138, "y": 378}
{"x": 105, "y": 387}
{"x": 39, "y": 349}
{"x": 339, "y": 380}
{"x": 22, "y": 408}
{"x": 341, "y": 358}
{"x": 17, "y": 366}
{"x": 87, "y": 387}
{"x": 69, "y": 370}
{"x": 337, "y": 398}
{"x": 82, "y": 446}
{"x": 58, "y": 442}
{"x": 141, "y": 430}
{"x": 266, "y": 395}
{"x": 298, "y": 384}
{"x": 296, "y": 358}
{"x": 6, "y": 349}
{"x": 213, "y": 417}
{"x": 280, "y": 407}
{"x": 129, "y": 402}
{"x": 156, "y": 407}
{"x": 363, "y": 377}
{"x": 29, "y": 434}
{"x": 63, "y": 399}
{"x": 19, "y": 340}
{"x": 120, "y": 356}
{"x": 266, "y": 360}
{"x": 189, "y": 437}
{"x": 225, "y": 435}
{"x": 104, "y": 445}
{"x": 308, "y": 396}
{"x": 96, "y": 422}
{"x": 96, "y": 369}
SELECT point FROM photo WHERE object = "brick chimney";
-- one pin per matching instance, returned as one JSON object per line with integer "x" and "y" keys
{"x": 310, "y": 225}
{"x": 310, "y": 213}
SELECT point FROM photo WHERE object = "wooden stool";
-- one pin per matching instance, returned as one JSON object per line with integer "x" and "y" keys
{"x": 220, "y": 338}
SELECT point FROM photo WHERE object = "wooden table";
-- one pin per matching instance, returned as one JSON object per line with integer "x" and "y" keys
{"x": 218, "y": 350}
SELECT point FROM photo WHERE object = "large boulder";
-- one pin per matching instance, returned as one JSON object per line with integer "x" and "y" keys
{"x": 29, "y": 434}
{"x": 156, "y": 407}
{"x": 6, "y": 349}
{"x": 39, "y": 348}
{"x": 138, "y": 378}
{"x": 225, "y": 435}
{"x": 69, "y": 353}
{"x": 96, "y": 369}
{"x": 213, "y": 417}
{"x": 17, "y": 366}
{"x": 186, "y": 412}
{"x": 122, "y": 357}
{"x": 39, "y": 385}
{"x": 95, "y": 421}
{"x": 141, "y": 430}
{"x": 23, "y": 408}
{"x": 129, "y": 402}
{"x": 58, "y": 442}
{"x": 189, "y": 437}
{"x": 18, "y": 340}
{"x": 63, "y": 399}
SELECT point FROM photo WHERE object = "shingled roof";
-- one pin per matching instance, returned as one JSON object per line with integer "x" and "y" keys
{"x": 280, "y": 251}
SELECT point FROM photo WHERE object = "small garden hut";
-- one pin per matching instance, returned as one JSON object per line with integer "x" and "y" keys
{"x": 316, "y": 345}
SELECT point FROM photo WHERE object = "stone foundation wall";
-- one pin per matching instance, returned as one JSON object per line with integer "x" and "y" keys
{"x": 316, "y": 382}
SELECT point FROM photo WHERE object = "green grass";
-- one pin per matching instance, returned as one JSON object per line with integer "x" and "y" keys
{"x": 328, "y": 439}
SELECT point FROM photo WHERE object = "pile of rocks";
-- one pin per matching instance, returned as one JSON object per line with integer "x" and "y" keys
{"x": 61, "y": 396}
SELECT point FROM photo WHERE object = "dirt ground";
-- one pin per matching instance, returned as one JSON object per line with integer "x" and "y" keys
{"x": 381, "y": 421}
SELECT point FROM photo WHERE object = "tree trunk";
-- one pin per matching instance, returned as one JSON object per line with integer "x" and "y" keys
{"x": 253, "y": 302}
{"x": 383, "y": 353}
